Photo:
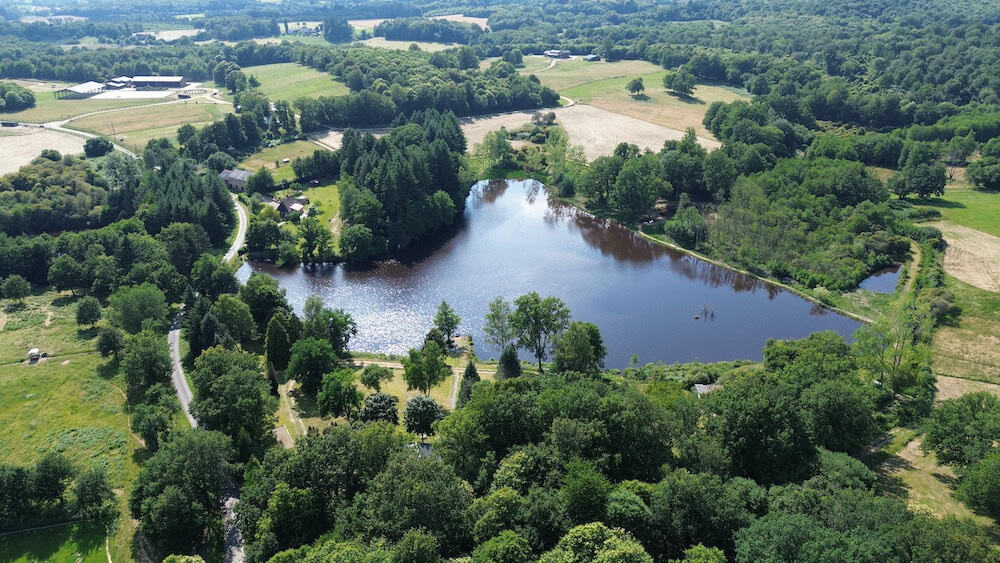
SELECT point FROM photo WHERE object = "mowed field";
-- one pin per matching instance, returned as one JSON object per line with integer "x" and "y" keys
{"x": 48, "y": 108}
{"x": 404, "y": 45}
{"x": 135, "y": 127}
{"x": 971, "y": 348}
{"x": 568, "y": 73}
{"x": 290, "y": 81}
{"x": 481, "y": 22}
{"x": 20, "y": 145}
{"x": 71, "y": 402}
{"x": 271, "y": 158}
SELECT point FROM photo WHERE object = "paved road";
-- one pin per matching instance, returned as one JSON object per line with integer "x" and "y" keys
{"x": 184, "y": 394}
{"x": 241, "y": 231}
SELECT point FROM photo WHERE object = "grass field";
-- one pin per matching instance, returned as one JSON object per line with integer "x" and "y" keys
{"x": 80, "y": 543}
{"x": 135, "y": 127}
{"x": 324, "y": 204}
{"x": 976, "y": 209}
{"x": 289, "y": 81}
{"x": 20, "y": 145}
{"x": 268, "y": 157}
{"x": 971, "y": 349}
{"x": 655, "y": 105}
{"x": 569, "y": 73}
{"x": 404, "y": 45}
{"x": 71, "y": 402}
{"x": 48, "y": 108}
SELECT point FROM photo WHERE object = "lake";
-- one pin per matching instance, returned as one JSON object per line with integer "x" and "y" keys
{"x": 647, "y": 299}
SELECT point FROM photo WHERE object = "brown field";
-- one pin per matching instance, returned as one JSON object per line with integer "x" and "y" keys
{"x": 404, "y": 45}
{"x": 481, "y": 22}
{"x": 970, "y": 349}
{"x": 599, "y": 131}
{"x": 972, "y": 256}
{"x": 954, "y": 387}
{"x": 24, "y": 144}
{"x": 366, "y": 24}
{"x": 153, "y": 117}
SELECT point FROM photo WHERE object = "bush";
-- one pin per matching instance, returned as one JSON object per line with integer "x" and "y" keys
{"x": 97, "y": 146}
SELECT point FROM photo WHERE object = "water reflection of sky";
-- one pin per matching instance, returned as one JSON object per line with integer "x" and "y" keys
{"x": 642, "y": 295}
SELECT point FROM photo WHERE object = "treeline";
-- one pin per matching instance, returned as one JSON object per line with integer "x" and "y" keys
{"x": 236, "y": 28}
{"x": 72, "y": 30}
{"x": 14, "y": 97}
{"x": 40, "y": 494}
{"x": 422, "y": 29}
{"x": 386, "y": 83}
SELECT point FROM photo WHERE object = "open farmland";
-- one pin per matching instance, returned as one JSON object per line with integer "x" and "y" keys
{"x": 567, "y": 73}
{"x": 404, "y": 45}
{"x": 48, "y": 108}
{"x": 21, "y": 145}
{"x": 971, "y": 348}
{"x": 269, "y": 156}
{"x": 481, "y": 22}
{"x": 135, "y": 128}
{"x": 290, "y": 81}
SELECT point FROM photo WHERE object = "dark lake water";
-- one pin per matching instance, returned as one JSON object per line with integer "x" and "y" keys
{"x": 882, "y": 281}
{"x": 514, "y": 239}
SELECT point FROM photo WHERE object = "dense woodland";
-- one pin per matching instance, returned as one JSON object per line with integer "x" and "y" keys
{"x": 557, "y": 461}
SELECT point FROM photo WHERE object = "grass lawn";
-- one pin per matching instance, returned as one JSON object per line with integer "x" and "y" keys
{"x": 157, "y": 118}
{"x": 48, "y": 108}
{"x": 404, "y": 45}
{"x": 272, "y": 157}
{"x": 970, "y": 350}
{"x": 302, "y": 39}
{"x": 570, "y": 73}
{"x": 655, "y": 105}
{"x": 71, "y": 402}
{"x": 81, "y": 543}
{"x": 290, "y": 81}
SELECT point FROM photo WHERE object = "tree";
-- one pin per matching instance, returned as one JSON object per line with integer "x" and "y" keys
{"x": 151, "y": 422}
{"x": 311, "y": 360}
{"x": 637, "y": 186}
{"x": 374, "y": 375}
{"x": 425, "y": 367}
{"x": 980, "y": 486}
{"x": 537, "y": 322}
{"x": 702, "y": 554}
{"x": 178, "y": 495}
{"x": 264, "y": 296}
{"x": 584, "y": 492}
{"x": 446, "y": 320}
{"x": 88, "y": 311}
{"x": 276, "y": 343}
{"x": 840, "y": 414}
{"x": 338, "y": 396}
{"x": 469, "y": 378}
{"x": 337, "y": 30}
{"x": 16, "y": 287}
{"x": 316, "y": 241}
{"x": 93, "y": 497}
{"x": 496, "y": 148}
{"x": 421, "y": 414}
{"x": 234, "y": 315}
{"x": 261, "y": 181}
{"x": 185, "y": 243}
{"x": 357, "y": 243}
{"x": 50, "y": 476}
{"x": 97, "y": 146}
{"x": 509, "y": 366}
{"x": 146, "y": 362}
{"x": 185, "y": 133}
{"x": 110, "y": 341}
{"x": 680, "y": 82}
{"x": 132, "y": 306}
{"x": 211, "y": 278}
{"x": 499, "y": 329}
{"x": 380, "y": 406}
{"x": 597, "y": 542}
{"x": 963, "y": 431}
{"x": 635, "y": 86}
{"x": 580, "y": 348}
{"x": 507, "y": 547}
{"x": 333, "y": 325}
{"x": 66, "y": 273}
{"x": 599, "y": 179}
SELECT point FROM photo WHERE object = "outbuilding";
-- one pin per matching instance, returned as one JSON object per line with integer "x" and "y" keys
{"x": 159, "y": 81}
{"x": 592, "y": 58}
{"x": 235, "y": 179}
{"x": 80, "y": 91}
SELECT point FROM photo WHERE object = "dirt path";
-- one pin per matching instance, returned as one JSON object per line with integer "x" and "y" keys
{"x": 972, "y": 256}
{"x": 914, "y": 267}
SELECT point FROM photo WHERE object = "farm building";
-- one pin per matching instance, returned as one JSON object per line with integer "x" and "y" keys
{"x": 235, "y": 179}
{"x": 159, "y": 81}
{"x": 80, "y": 91}
{"x": 292, "y": 205}
{"x": 557, "y": 53}
{"x": 592, "y": 58}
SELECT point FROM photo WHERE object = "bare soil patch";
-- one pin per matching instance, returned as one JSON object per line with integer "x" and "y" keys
{"x": 972, "y": 256}
{"x": 969, "y": 350}
{"x": 26, "y": 143}
{"x": 954, "y": 387}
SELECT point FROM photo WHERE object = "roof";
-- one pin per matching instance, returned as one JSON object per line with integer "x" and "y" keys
{"x": 86, "y": 87}
{"x": 122, "y": 79}
{"x": 238, "y": 175}
{"x": 157, "y": 78}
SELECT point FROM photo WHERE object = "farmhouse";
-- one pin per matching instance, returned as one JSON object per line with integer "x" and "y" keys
{"x": 292, "y": 205}
{"x": 80, "y": 91}
{"x": 159, "y": 81}
{"x": 235, "y": 179}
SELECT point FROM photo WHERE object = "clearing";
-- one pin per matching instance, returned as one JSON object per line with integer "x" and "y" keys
{"x": 272, "y": 157}
{"x": 928, "y": 485}
{"x": 481, "y": 22}
{"x": 290, "y": 81}
{"x": 77, "y": 408}
{"x": 174, "y": 34}
{"x": 404, "y": 45}
{"x": 655, "y": 105}
{"x": 20, "y": 145}
{"x": 963, "y": 205}
{"x": 971, "y": 349}
{"x": 134, "y": 128}
{"x": 971, "y": 256}
{"x": 368, "y": 24}
{"x": 82, "y": 543}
